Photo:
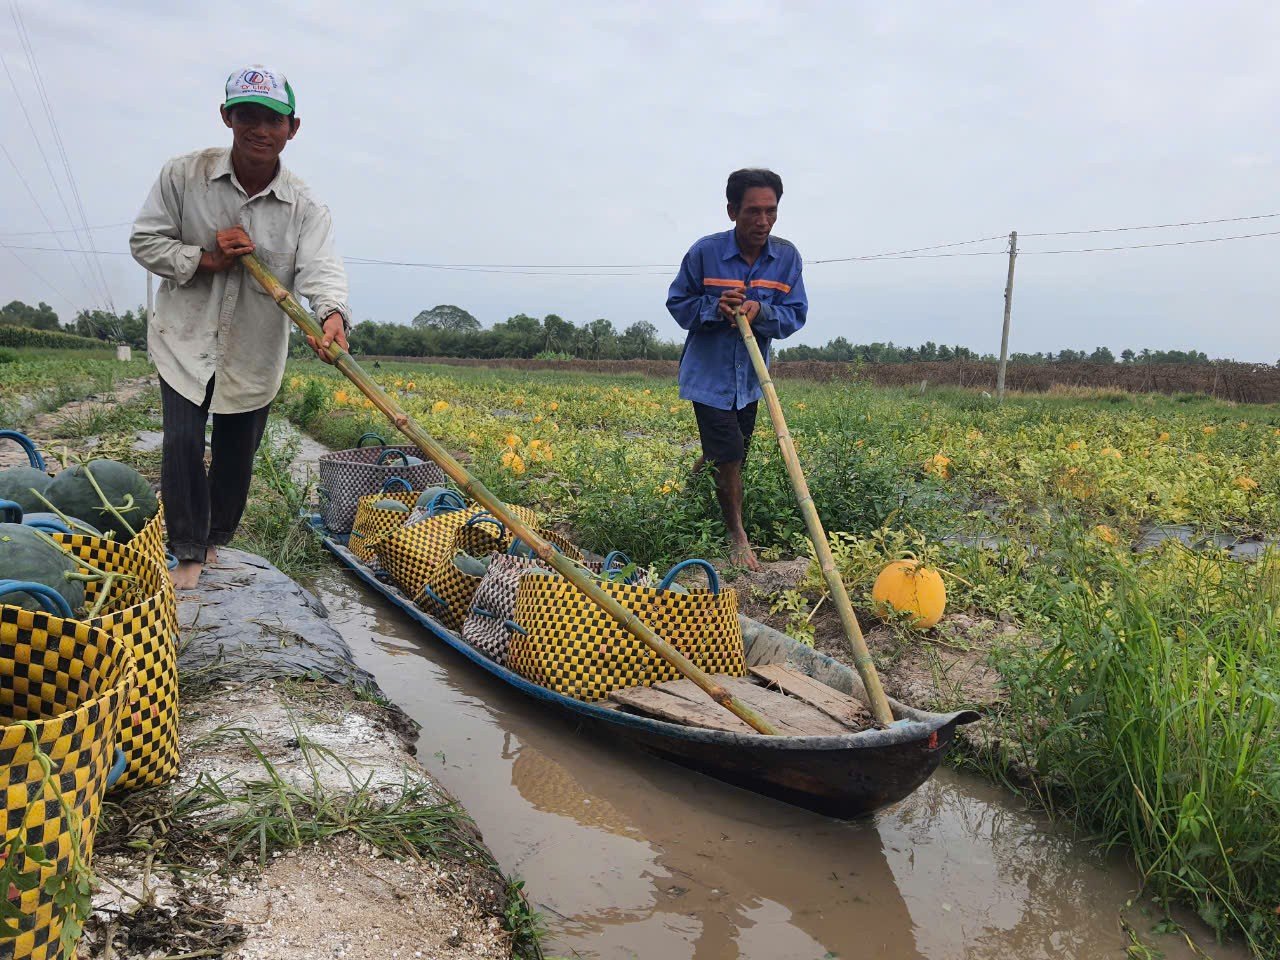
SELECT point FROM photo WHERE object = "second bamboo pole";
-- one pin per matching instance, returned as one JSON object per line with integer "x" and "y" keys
{"x": 862, "y": 661}
{"x": 478, "y": 492}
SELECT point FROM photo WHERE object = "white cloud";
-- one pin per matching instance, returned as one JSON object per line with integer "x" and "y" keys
{"x": 585, "y": 133}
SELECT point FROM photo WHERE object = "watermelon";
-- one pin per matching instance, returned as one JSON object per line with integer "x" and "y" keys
{"x": 16, "y": 484}
{"x": 76, "y": 526}
{"x": 429, "y": 494}
{"x": 25, "y": 555}
{"x": 393, "y": 505}
{"x": 72, "y": 492}
{"x": 470, "y": 565}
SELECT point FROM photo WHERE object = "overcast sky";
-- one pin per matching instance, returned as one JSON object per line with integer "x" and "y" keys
{"x": 588, "y": 133}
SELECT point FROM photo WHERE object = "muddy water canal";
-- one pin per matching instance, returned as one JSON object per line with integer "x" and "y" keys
{"x": 629, "y": 856}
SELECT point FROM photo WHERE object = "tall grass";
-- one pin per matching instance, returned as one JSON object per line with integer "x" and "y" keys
{"x": 1156, "y": 720}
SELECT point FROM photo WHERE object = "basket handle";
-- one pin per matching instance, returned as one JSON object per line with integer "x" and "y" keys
{"x": 26, "y": 443}
{"x": 48, "y": 525}
{"x": 371, "y": 436}
{"x": 117, "y": 769}
{"x": 515, "y": 627}
{"x": 10, "y": 511}
{"x": 487, "y": 518}
{"x": 517, "y": 543}
{"x": 713, "y": 578}
{"x": 52, "y": 601}
{"x": 170, "y": 561}
{"x": 482, "y": 612}
{"x": 616, "y": 557}
{"x": 445, "y": 502}
{"x": 386, "y": 484}
{"x": 435, "y": 598}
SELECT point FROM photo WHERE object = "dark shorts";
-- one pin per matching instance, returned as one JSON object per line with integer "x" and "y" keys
{"x": 725, "y": 434}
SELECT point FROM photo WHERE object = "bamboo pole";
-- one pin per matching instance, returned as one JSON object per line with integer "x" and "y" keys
{"x": 852, "y": 631}
{"x": 477, "y": 491}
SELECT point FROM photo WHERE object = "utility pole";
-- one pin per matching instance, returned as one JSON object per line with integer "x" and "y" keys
{"x": 1008, "y": 307}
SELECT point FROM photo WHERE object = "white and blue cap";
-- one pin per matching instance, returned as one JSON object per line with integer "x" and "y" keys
{"x": 257, "y": 84}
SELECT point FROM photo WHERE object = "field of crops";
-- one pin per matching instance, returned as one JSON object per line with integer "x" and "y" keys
{"x": 1139, "y": 684}
{"x": 1142, "y": 691}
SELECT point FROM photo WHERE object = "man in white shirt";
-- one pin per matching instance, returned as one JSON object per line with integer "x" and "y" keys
{"x": 218, "y": 340}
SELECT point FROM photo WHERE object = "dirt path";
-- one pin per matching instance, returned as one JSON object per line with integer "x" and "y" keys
{"x": 331, "y": 764}
{"x": 43, "y": 427}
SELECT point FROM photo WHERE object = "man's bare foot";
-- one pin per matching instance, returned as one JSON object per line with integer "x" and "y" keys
{"x": 741, "y": 555}
{"x": 210, "y": 554}
{"x": 186, "y": 574}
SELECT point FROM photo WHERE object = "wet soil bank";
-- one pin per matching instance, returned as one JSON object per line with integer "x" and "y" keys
{"x": 290, "y": 748}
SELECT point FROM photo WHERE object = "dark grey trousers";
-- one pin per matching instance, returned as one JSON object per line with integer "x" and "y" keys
{"x": 203, "y": 509}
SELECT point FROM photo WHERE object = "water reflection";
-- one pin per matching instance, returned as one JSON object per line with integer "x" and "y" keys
{"x": 634, "y": 857}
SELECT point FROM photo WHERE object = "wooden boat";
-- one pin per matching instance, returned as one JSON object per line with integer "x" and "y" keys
{"x": 829, "y": 770}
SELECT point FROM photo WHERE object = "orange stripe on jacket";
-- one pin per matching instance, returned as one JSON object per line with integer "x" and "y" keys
{"x": 772, "y": 285}
{"x": 713, "y": 282}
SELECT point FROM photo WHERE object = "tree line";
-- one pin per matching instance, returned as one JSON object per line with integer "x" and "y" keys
{"x": 447, "y": 330}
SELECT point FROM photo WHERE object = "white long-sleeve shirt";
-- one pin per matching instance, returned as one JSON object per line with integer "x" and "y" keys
{"x": 224, "y": 324}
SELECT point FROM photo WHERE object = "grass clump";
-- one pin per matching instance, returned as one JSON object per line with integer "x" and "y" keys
{"x": 1155, "y": 719}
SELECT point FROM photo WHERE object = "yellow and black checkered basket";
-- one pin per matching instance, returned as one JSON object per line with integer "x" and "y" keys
{"x": 143, "y": 613}
{"x": 412, "y": 554}
{"x": 373, "y": 522}
{"x": 150, "y": 540}
{"x": 561, "y": 640}
{"x": 448, "y": 591}
{"x": 73, "y": 682}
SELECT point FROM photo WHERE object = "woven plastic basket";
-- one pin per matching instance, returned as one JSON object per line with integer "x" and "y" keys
{"x": 348, "y": 475}
{"x": 564, "y": 642}
{"x": 72, "y": 682}
{"x": 143, "y": 614}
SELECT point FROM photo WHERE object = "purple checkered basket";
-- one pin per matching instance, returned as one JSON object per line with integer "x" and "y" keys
{"x": 348, "y": 475}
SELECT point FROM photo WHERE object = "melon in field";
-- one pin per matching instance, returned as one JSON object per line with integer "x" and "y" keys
{"x": 118, "y": 486}
{"x": 25, "y": 555}
{"x": 17, "y": 484}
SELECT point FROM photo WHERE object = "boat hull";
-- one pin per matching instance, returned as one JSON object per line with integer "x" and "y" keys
{"x": 839, "y": 776}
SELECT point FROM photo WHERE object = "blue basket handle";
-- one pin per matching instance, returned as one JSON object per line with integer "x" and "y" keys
{"x": 616, "y": 557}
{"x": 10, "y": 511}
{"x": 487, "y": 518}
{"x": 48, "y": 525}
{"x": 515, "y": 627}
{"x": 382, "y": 457}
{"x": 49, "y": 598}
{"x": 33, "y": 455}
{"x": 713, "y": 578}
{"x": 170, "y": 561}
{"x": 435, "y": 598}
{"x": 117, "y": 769}
{"x": 517, "y": 542}
{"x": 386, "y": 485}
{"x": 482, "y": 612}
{"x": 371, "y": 436}
{"x": 445, "y": 502}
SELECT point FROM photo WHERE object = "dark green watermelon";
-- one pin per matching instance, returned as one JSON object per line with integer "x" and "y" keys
{"x": 395, "y": 506}
{"x": 25, "y": 555}
{"x": 73, "y": 494}
{"x": 16, "y": 484}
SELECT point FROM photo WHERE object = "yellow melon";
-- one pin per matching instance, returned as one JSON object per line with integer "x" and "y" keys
{"x": 908, "y": 586}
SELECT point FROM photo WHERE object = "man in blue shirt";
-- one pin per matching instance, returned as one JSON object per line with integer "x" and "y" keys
{"x": 741, "y": 269}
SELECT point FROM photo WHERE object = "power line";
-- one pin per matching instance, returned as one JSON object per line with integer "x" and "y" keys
{"x": 40, "y": 207}
{"x": 1146, "y": 246}
{"x": 1154, "y": 226}
{"x": 29, "y": 49}
{"x": 17, "y": 94}
{"x": 37, "y": 274}
{"x": 45, "y": 233}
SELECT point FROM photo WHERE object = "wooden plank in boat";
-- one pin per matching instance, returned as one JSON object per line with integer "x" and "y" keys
{"x": 681, "y": 701}
{"x": 671, "y": 706}
{"x": 841, "y": 707}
